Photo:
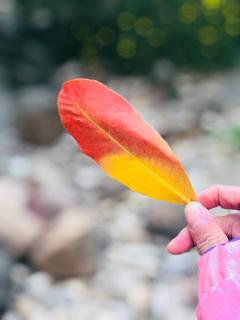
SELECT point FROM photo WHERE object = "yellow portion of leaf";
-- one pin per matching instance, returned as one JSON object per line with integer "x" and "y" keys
{"x": 158, "y": 181}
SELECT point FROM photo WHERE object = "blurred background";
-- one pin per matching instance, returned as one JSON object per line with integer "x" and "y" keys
{"x": 75, "y": 244}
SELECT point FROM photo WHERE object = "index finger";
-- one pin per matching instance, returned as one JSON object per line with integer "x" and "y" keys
{"x": 227, "y": 197}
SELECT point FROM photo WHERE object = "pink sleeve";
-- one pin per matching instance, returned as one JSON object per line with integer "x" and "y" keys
{"x": 219, "y": 283}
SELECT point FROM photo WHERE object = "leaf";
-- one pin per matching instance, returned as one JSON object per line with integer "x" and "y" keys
{"x": 109, "y": 131}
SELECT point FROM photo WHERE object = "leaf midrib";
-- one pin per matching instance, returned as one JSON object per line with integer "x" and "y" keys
{"x": 86, "y": 114}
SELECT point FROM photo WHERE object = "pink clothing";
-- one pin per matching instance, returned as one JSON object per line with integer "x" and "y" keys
{"x": 219, "y": 283}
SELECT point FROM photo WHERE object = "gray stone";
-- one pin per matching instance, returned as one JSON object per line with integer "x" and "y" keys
{"x": 174, "y": 300}
{"x": 164, "y": 218}
{"x": 38, "y": 285}
{"x": 19, "y": 227}
{"x": 174, "y": 266}
{"x": 69, "y": 247}
{"x": 37, "y": 120}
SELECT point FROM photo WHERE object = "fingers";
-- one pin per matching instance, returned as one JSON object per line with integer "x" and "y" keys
{"x": 227, "y": 197}
{"x": 230, "y": 225}
{"x": 181, "y": 243}
{"x": 202, "y": 229}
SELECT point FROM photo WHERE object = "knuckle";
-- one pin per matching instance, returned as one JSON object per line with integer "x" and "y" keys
{"x": 209, "y": 240}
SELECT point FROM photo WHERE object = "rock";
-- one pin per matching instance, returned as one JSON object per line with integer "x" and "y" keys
{"x": 49, "y": 186}
{"x": 125, "y": 268}
{"x": 143, "y": 258}
{"x": 19, "y": 227}
{"x": 110, "y": 188}
{"x": 139, "y": 298}
{"x": 38, "y": 285}
{"x": 164, "y": 71}
{"x": 69, "y": 246}
{"x": 127, "y": 226}
{"x": 178, "y": 119}
{"x": 209, "y": 162}
{"x": 165, "y": 219}
{"x": 175, "y": 266}
{"x": 19, "y": 275}
{"x": 69, "y": 70}
{"x": 37, "y": 119}
{"x": 28, "y": 307}
{"x": 88, "y": 177}
{"x": 75, "y": 290}
{"x": 143, "y": 94}
{"x": 174, "y": 300}
{"x": 114, "y": 310}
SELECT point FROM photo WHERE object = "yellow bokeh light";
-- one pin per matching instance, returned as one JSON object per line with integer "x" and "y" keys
{"x": 143, "y": 26}
{"x": 157, "y": 38}
{"x": 231, "y": 10}
{"x": 126, "y": 48}
{"x": 126, "y": 21}
{"x": 211, "y": 4}
{"x": 208, "y": 35}
{"x": 188, "y": 13}
{"x": 232, "y": 26}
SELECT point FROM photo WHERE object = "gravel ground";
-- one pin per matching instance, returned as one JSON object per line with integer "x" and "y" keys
{"x": 76, "y": 244}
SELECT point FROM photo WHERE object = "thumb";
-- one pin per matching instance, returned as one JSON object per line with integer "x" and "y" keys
{"x": 203, "y": 228}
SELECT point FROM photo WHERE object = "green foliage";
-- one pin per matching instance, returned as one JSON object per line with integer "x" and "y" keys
{"x": 124, "y": 35}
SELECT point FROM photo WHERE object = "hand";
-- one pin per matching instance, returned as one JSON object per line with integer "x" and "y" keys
{"x": 203, "y": 230}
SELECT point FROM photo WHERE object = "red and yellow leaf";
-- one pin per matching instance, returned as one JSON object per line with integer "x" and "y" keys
{"x": 129, "y": 150}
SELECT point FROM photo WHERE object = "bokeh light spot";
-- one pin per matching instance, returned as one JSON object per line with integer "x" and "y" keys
{"x": 188, "y": 13}
{"x": 211, "y": 4}
{"x": 232, "y": 26}
{"x": 126, "y": 21}
{"x": 157, "y": 38}
{"x": 231, "y": 10}
{"x": 143, "y": 26}
{"x": 126, "y": 48}
{"x": 208, "y": 35}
